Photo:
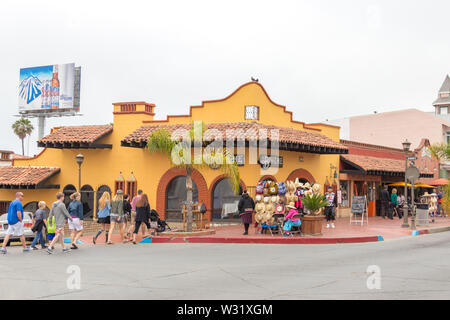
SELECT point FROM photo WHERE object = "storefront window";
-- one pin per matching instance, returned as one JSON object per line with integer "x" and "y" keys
{"x": 358, "y": 188}
{"x": 225, "y": 201}
{"x": 344, "y": 188}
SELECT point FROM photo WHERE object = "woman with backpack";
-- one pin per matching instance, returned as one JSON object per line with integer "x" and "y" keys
{"x": 246, "y": 206}
{"x": 117, "y": 215}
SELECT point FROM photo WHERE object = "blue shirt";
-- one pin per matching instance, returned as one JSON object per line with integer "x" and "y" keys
{"x": 14, "y": 206}
{"x": 105, "y": 211}
{"x": 76, "y": 209}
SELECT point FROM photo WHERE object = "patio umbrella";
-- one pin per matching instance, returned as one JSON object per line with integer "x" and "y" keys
{"x": 423, "y": 185}
{"x": 398, "y": 184}
{"x": 439, "y": 182}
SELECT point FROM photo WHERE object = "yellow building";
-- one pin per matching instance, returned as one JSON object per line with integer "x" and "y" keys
{"x": 115, "y": 156}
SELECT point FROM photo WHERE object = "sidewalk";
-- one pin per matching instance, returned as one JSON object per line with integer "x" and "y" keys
{"x": 343, "y": 233}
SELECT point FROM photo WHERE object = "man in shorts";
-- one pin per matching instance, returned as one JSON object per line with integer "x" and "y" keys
{"x": 61, "y": 215}
{"x": 133, "y": 213}
{"x": 15, "y": 223}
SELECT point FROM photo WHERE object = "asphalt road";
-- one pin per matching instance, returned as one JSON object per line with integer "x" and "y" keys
{"x": 411, "y": 268}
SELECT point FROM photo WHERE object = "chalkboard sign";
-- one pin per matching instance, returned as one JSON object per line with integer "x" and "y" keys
{"x": 359, "y": 204}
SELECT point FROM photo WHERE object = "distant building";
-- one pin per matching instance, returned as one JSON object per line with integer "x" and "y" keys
{"x": 390, "y": 129}
{"x": 5, "y": 158}
{"x": 442, "y": 104}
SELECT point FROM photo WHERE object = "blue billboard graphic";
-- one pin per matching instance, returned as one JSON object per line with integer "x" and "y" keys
{"x": 47, "y": 87}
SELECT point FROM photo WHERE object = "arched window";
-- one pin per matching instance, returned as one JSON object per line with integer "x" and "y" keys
{"x": 176, "y": 195}
{"x": 33, "y": 206}
{"x": 100, "y": 192}
{"x": 87, "y": 199}
{"x": 68, "y": 190}
{"x": 224, "y": 201}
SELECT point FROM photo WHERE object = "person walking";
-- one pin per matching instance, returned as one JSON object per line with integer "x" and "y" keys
{"x": 103, "y": 215}
{"x": 76, "y": 212}
{"x": 246, "y": 206}
{"x": 394, "y": 202}
{"x": 133, "y": 212}
{"x": 61, "y": 214}
{"x": 127, "y": 216}
{"x": 142, "y": 215}
{"x": 39, "y": 224}
{"x": 330, "y": 212}
{"x": 117, "y": 215}
{"x": 401, "y": 203}
{"x": 384, "y": 201}
{"x": 15, "y": 223}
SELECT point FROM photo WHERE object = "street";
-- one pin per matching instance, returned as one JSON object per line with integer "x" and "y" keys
{"x": 410, "y": 268}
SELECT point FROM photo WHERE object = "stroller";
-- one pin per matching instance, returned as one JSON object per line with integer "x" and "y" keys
{"x": 161, "y": 225}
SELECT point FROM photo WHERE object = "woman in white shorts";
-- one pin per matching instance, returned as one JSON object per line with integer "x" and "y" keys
{"x": 76, "y": 212}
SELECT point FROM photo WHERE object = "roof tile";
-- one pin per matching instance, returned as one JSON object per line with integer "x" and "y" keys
{"x": 81, "y": 134}
{"x": 25, "y": 176}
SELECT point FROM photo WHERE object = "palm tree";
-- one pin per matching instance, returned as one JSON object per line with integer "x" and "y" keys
{"x": 441, "y": 151}
{"x": 22, "y": 128}
{"x": 161, "y": 141}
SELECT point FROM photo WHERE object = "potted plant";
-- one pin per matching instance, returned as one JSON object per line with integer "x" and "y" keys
{"x": 312, "y": 222}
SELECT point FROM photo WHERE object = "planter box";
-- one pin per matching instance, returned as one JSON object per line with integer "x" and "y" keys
{"x": 312, "y": 225}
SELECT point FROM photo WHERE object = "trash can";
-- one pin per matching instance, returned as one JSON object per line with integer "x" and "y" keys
{"x": 422, "y": 214}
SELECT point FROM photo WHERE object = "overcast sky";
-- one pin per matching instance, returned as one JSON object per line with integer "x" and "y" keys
{"x": 322, "y": 59}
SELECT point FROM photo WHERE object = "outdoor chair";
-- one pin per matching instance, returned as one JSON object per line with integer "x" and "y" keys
{"x": 279, "y": 220}
{"x": 296, "y": 230}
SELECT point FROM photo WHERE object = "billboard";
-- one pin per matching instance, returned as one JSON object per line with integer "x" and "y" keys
{"x": 49, "y": 88}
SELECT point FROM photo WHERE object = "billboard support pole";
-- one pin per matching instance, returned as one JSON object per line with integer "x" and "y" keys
{"x": 41, "y": 127}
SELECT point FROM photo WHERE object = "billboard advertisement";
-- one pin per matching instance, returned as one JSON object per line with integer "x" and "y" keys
{"x": 49, "y": 88}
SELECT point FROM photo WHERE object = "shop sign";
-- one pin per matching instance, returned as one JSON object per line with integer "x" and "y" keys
{"x": 270, "y": 161}
{"x": 239, "y": 159}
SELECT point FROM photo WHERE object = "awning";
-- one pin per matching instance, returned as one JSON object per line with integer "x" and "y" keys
{"x": 288, "y": 138}
{"x": 27, "y": 177}
{"x": 77, "y": 137}
{"x": 439, "y": 182}
{"x": 376, "y": 166}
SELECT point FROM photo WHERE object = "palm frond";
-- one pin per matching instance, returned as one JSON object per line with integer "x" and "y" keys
{"x": 315, "y": 202}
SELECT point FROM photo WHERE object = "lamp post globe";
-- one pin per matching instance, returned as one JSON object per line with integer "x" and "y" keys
{"x": 406, "y": 145}
{"x": 79, "y": 158}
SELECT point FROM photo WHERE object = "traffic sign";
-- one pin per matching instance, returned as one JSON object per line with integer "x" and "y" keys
{"x": 413, "y": 158}
{"x": 412, "y": 174}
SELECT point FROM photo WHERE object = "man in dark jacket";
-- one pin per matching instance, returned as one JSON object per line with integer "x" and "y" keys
{"x": 384, "y": 201}
{"x": 246, "y": 206}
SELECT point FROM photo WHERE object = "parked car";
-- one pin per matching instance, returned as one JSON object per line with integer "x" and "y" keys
{"x": 28, "y": 224}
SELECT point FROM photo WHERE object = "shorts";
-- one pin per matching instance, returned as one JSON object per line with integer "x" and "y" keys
{"x": 75, "y": 224}
{"x": 116, "y": 219}
{"x": 50, "y": 236}
{"x": 15, "y": 229}
{"x": 105, "y": 220}
{"x": 127, "y": 217}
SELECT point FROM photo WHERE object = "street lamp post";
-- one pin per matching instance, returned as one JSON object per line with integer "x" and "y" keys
{"x": 406, "y": 146}
{"x": 79, "y": 159}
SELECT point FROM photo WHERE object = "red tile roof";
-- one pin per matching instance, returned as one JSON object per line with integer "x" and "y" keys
{"x": 286, "y": 135}
{"x": 25, "y": 176}
{"x": 367, "y": 163}
{"x": 80, "y": 134}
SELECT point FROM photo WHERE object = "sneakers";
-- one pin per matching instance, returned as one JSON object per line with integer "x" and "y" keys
{"x": 328, "y": 225}
{"x": 66, "y": 250}
{"x": 34, "y": 248}
{"x": 49, "y": 250}
{"x": 74, "y": 246}
{"x": 332, "y": 225}
{"x": 3, "y": 251}
{"x": 27, "y": 249}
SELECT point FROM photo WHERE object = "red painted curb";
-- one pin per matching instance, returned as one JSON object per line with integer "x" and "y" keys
{"x": 264, "y": 240}
{"x": 425, "y": 231}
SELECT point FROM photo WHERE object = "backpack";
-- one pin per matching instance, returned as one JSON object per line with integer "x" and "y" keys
{"x": 203, "y": 208}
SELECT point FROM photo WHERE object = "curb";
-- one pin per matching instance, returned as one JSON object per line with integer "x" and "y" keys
{"x": 430, "y": 231}
{"x": 266, "y": 240}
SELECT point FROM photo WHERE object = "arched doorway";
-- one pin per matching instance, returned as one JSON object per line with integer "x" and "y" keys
{"x": 302, "y": 175}
{"x": 87, "y": 199}
{"x": 224, "y": 201}
{"x": 68, "y": 190}
{"x": 100, "y": 192}
{"x": 176, "y": 195}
